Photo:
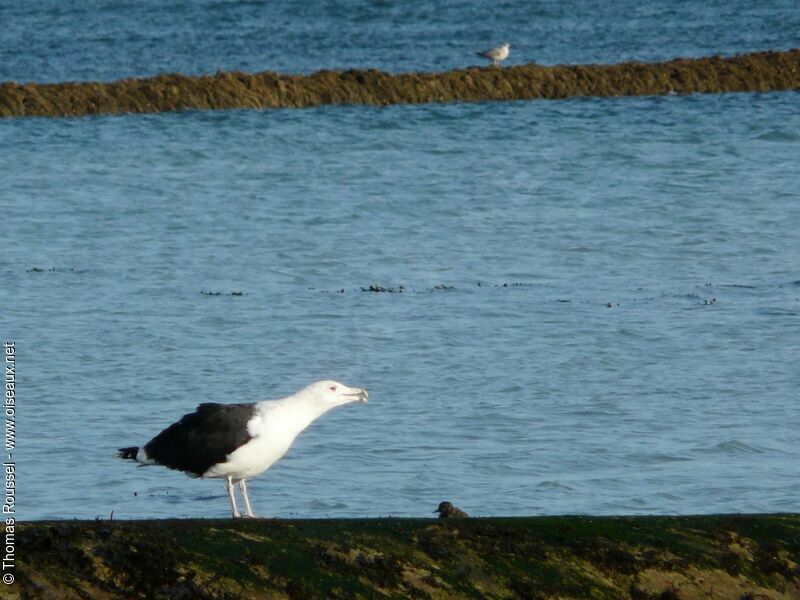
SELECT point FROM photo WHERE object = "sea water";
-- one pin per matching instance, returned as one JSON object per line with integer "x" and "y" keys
{"x": 574, "y": 306}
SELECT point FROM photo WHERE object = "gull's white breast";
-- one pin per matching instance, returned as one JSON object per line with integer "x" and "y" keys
{"x": 500, "y": 53}
{"x": 274, "y": 427}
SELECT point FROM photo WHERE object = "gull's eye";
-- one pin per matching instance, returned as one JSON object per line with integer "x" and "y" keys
{"x": 332, "y": 388}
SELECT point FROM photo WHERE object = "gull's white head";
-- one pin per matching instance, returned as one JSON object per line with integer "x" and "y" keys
{"x": 332, "y": 393}
{"x": 505, "y": 45}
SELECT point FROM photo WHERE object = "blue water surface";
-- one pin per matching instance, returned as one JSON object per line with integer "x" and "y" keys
{"x": 53, "y": 40}
{"x": 593, "y": 305}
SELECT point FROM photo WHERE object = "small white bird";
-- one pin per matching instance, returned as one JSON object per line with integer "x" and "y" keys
{"x": 496, "y": 54}
{"x": 238, "y": 441}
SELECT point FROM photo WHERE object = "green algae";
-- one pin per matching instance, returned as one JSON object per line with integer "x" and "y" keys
{"x": 728, "y": 556}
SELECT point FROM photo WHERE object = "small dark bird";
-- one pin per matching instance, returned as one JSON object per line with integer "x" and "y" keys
{"x": 446, "y": 510}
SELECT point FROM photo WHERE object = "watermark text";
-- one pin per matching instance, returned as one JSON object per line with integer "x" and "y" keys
{"x": 9, "y": 509}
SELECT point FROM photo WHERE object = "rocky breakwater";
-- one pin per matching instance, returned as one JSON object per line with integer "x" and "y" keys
{"x": 760, "y": 71}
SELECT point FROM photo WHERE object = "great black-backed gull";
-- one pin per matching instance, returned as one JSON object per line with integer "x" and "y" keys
{"x": 239, "y": 441}
{"x": 446, "y": 510}
{"x": 496, "y": 54}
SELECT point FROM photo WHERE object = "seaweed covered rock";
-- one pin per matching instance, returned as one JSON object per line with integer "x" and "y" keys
{"x": 718, "y": 557}
{"x": 760, "y": 71}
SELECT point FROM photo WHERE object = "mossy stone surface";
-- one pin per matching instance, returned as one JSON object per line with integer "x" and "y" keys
{"x": 758, "y": 71}
{"x": 725, "y": 557}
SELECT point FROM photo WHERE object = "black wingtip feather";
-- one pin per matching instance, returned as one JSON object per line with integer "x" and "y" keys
{"x": 128, "y": 453}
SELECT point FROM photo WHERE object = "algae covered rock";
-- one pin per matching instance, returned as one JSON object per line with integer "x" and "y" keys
{"x": 723, "y": 557}
{"x": 759, "y": 71}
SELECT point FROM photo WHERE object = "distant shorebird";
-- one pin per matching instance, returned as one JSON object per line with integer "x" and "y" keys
{"x": 496, "y": 54}
{"x": 239, "y": 441}
{"x": 446, "y": 510}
